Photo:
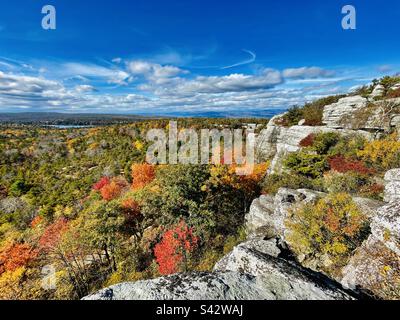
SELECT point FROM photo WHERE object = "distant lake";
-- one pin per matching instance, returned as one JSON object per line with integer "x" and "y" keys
{"x": 67, "y": 126}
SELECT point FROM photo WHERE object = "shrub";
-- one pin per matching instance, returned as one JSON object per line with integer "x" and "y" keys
{"x": 114, "y": 189}
{"x": 343, "y": 165}
{"x": 388, "y": 82}
{"x": 323, "y": 142}
{"x": 142, "y": 175}
{"x": 372, "y": 190}
{"x": 394, "y": 93}
{"x": 364, "y": 91}
{"x": 307, "y": 164}
{"x": 291, "y": 117}
{"x": 332, "y": 228}
{"x": 350, "y": 182}
{"x": 348, "y": 146}
{"x": 18, "y": 188}
{"x": 311, "y": 112}
{"x": 16, "y": 256}
{"x": 132, "y": 214}
{"x": 382, "y": 154}
{"x": 173, "y": 251}
{"x": 101, "y": 183}
{"x": 274, "y": 182}
{"x": 307, "y": 141}
{"x": 52, "y": 234}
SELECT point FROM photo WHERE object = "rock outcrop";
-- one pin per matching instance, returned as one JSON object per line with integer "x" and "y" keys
{"x": 334, "y": 113}
{"x": 375, "y": 266}
{"x": 357, "y": 112}
{"x": 277, "y": 142}
{"x": 285, "y": 279}
{"x": 188, "y": 286}
{"x": 267, "y": 214}
{"x": 252, "y": 271}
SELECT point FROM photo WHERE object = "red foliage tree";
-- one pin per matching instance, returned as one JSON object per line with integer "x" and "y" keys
{"x": 52, "y": 234}
{"x": 176, "y": 244}
{"x": 16, "y": 256}
{"x": 114, "y": 189}
{"x": 307, "y": 141}
{"x": 142, "y": 175}
{"x": 343, "y": 165}
{"x": 101, "y": 183}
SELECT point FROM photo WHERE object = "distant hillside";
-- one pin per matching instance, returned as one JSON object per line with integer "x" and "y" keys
{"x": 53, "y": 118}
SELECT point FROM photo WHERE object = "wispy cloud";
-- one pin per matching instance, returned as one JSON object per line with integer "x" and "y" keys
{"x": 244, "y": 62}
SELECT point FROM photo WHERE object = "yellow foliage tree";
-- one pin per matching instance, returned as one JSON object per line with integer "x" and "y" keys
{"x": 382, "y": 154}
{"x": 329, "y": 230}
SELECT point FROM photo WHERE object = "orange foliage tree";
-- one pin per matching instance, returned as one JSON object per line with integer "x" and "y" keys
{"x": 176, "y": 244}
{"x": 114, "y": 189}
{"x": 36, "y": 221}
{"x": 16, "y": 256}
{"x": 142, "y": 175}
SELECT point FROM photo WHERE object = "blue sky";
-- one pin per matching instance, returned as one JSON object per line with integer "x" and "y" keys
{"x": 186, "y": 57}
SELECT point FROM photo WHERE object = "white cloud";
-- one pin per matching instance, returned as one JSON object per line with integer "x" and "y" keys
{"x": 154, "y": 72}
{"x": 117, "y": 60}
{"x": 114, "y": 76}
{"x": 307, "y": 73}
{"x": 157, "y": 89}
{"x": 85, "y": 88}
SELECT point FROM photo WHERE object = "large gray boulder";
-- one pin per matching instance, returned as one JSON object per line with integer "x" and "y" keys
{"x": 334, "y": 113}
{"x": 252, "y": 271}
{"x": 189, "y": 286}
{"x": 258, "y": 220}
{"x": 286, "y": 280}
{"x": 374, "y": 269}
{"x": 378, "y": 91}
{"x": 385, "y": 226}
{"x": 357, "y": 112}
{"x": 392, "y": 188}
{"x": 375, "y": 266}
